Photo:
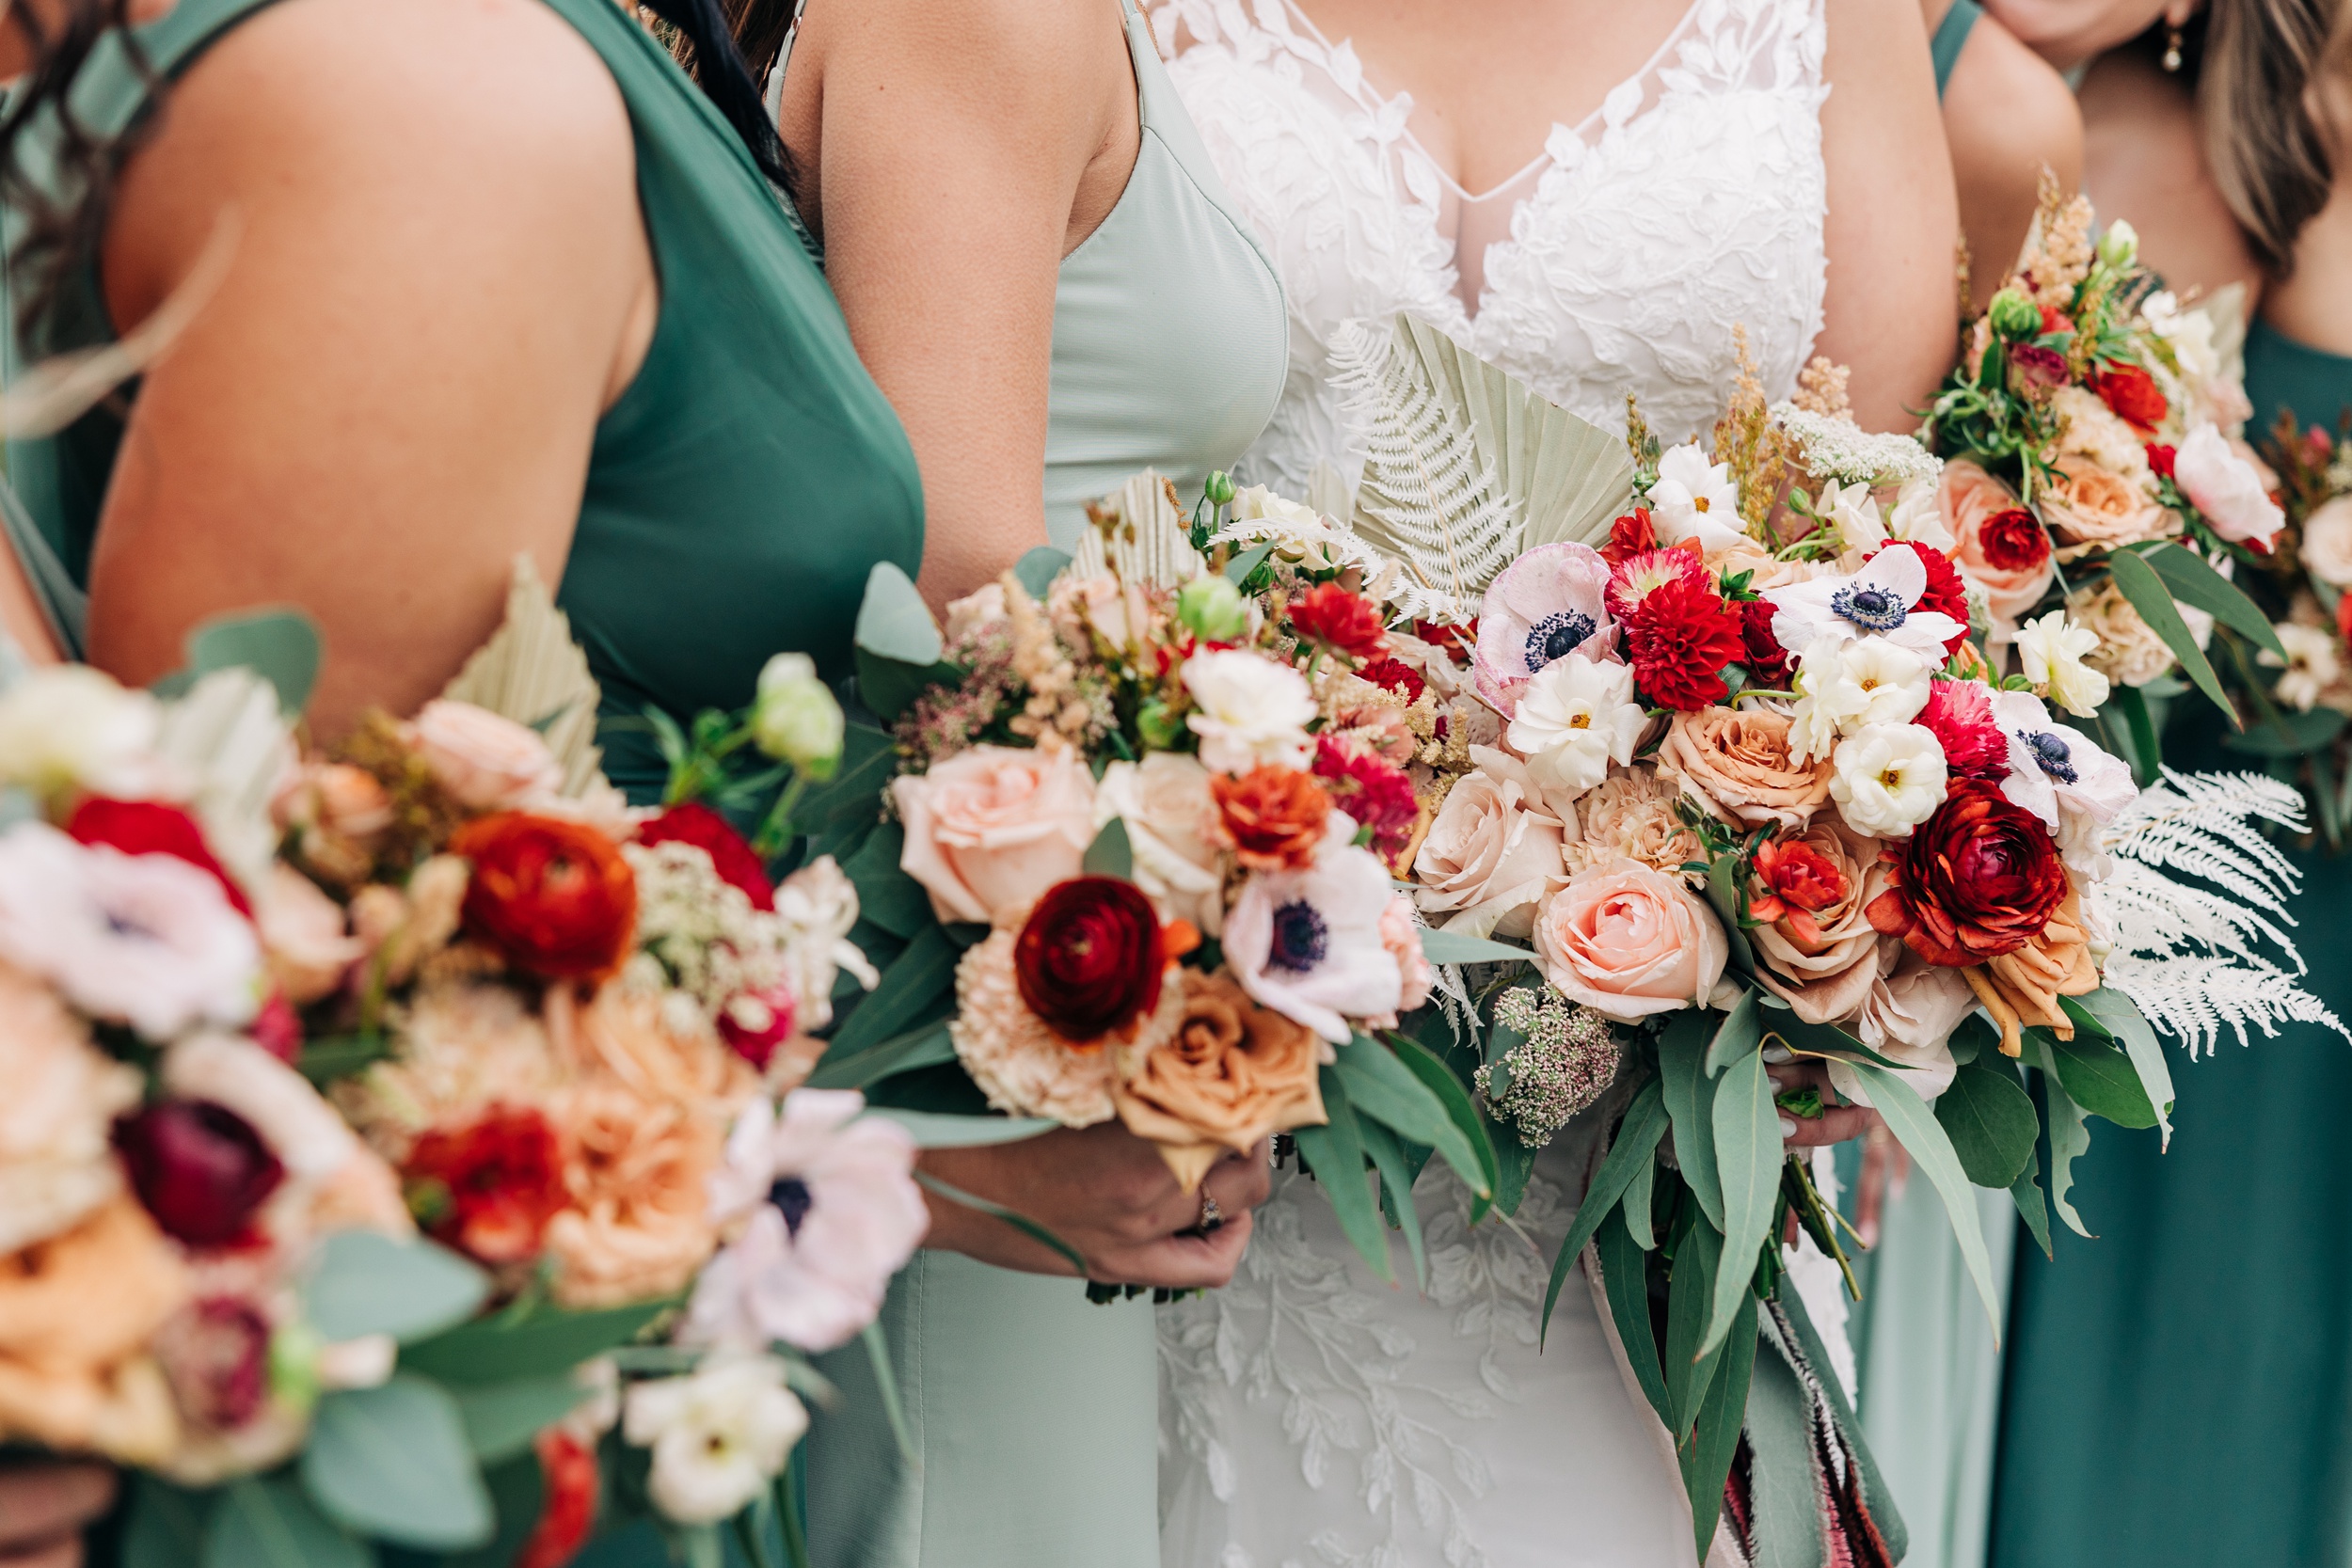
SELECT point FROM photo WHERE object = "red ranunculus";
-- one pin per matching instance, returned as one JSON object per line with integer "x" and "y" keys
{"x": 1273, "y": 818}
{"x": 1679, "y": 636}
{"x": 1960, "y": 715}
{"x": 1945, "y": 594}
{"x": 1089, "y": 960}
{"x": 277, "y": 1028}
{"x": 2344, "y": 617}
{"x": 1376, "y": 793}
{"x": 570, "y": 1479}
{"x": 199, "y": 1167}
{"x": 1979, "y": 878}
{"x": 489, "y": 1188}
{"x": 731, "y": 854}
{"x": 554, "y": 898}
{"x": 2132, "y": 393}
{"x": 1797, "y": 881}
{"x": 2012, "y": 541}
{"x": 1765, "y": 659}
{"x": 2034, "y": 369}
{"x": 1342, "y": 621}
{"x": 1628, "y": 536}
{"x": 1394, "y": 674}
{"x": 2161, "y": 457}
{"x": 152, "y": 828}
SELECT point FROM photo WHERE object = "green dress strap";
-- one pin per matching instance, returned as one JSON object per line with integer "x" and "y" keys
{"x": 1950, "y": 38}
{"x": 2286, "y": 376}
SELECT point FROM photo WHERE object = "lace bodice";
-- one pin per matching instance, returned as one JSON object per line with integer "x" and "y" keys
{"x": 1689, "y": 204}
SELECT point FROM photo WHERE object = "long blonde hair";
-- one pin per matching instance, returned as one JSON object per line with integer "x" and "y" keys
{"x": 2270, "y": 146}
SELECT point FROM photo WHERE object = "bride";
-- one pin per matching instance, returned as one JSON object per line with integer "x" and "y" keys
{"x": 1592, "y": 194}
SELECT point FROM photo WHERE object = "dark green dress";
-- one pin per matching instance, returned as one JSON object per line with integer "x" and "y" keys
{"x": 738, "y": 492}
{"x": 2178, "y": 1392}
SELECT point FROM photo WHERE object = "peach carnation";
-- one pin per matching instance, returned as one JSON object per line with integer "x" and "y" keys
{"x": 1630, "y": 816}
{"x": 637, "y": 1172}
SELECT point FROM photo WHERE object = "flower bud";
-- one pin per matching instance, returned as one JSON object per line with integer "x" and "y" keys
{"x": 1219, "y": 488}
{"x": 1213, "y": 608}
{"x": 2120, "y": 245}
{"x": 2014, "y": 315}
{"x": 795, "y": 720}
{"x": 1161, "y": 729}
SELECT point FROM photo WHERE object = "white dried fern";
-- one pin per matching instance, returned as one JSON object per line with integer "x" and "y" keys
{"x": 2192, "y": 954}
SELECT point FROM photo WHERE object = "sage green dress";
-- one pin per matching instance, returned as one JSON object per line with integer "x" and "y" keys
{"x": 1034, "y": 1415}
{"x": 740, "y": 490}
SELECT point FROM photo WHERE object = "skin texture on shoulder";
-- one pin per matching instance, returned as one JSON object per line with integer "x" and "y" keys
{"x": 2312, "y": 304}
{"x": 440, "y": 281}
{"x": 950, "y": 158}
{"x": 2143, "y": 159}
{"x": 2007, "y": 115}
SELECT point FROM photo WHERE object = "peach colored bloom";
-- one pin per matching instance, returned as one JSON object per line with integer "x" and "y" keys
{"x": 485, "y": 762}
{"x": 1272, "y": 818}
{"x": 1231, "y": 1074}
{"x": 2022, "y": 987}
{"x": 1825, "y": 961}
{"x": 1627, "y": 942}
{"x": 1019, "y": 1063}
{"x": 304, "y": 936}
{"x": 463, "y": 1047}
{"x": 637, "y": 1173}
{"x": 1970, "y": 498}
{"x": 57, "y": 1163}
{"x": 1401, "y": 935}
{"x": 1630, "y": 816}
{"x": 1736, "y": 763}
{"x": 995, "y": 826}
{"x": 77, "y": 1312}
{"x": 2089, "y": 505}
{"x": 1494, "y": 850}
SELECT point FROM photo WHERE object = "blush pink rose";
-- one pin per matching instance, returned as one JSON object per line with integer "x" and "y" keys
{"x": 1627, "y": 942}
{"x": 1969, "y": 498}
{"x": 995, "y": 826}
{"x": 485, "y": 762}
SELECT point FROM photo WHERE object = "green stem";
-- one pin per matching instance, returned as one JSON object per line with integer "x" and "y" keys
{"x": 775, "y": 830}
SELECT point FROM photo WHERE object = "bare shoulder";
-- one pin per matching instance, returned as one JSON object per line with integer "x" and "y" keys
{"x": 1014, "y": 49}
{"x": 2007, "y": 108}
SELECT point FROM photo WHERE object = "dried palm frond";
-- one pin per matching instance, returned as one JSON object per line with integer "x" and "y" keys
{"x": 1139, "y": 532}
{"x": 533, "y": 672}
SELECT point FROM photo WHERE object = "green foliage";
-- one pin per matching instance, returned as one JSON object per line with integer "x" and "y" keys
{"x": 281, "y": 646}
{"x": 394, "y": 1461}
{"x": 362, "y": 1282}
{"x": 1335, "y": 1151}
{"x": 1747, "y": 1162}
{"x": 1454, "y": 947}
{"x": 2194, "y": 582}
{"x": 1110, "y": 854}
{"x": 1690, "y": 1102}
{"x": 1036, "y": 570}
{"x": 2114, "y": 1014}
{"x": 2069, "y": 1139}
{"x": 2098, "y": 1077}
{"x": 2153, "y": 600}
{"x": 501, "y": 1418}
{"x": 1742, "y": 1032}
{"x": 539, "y": 1342}
{"x": 268, "y": 1523}
{"x": 1636, "y": 1145}
{"x": 1991, "y": 1122}
{"x": 1922, "y": 1136}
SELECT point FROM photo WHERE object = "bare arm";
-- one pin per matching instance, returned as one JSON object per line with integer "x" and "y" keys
{"x": 959, "y": 152}
{"x": 2008, "y": 116}
{"x": 1892, "y": 312}
{"x": 440, "y": 279}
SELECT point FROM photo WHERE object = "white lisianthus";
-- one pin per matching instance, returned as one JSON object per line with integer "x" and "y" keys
{"x": 1814, "y": 727}
{"x": 2051, "y": 652}
{"x": 1855, "y": 512}
{"x": 2327, "y": 549}
{"x": 1889, "y": 779}
{"x": 1917, "y": 517}
{"x": 1575, "y": 717}
{"x": 2225, "y": 487}
{"x": 718, "y": 1435}
{"x": 2312, "y": 665}
{"x": 1253, "y": 712}
{"x": 1696, "y": 499}
{"x": 1843, "y": 687}
{"x": 69, "y": 727}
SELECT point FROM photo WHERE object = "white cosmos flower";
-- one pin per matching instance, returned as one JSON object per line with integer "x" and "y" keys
{"x": 1253, "y": 712}
{"x": 1856, "y": 511}
{"x": 2053, "y": 769}
{"x": 2050, "y": 650}
{"x": 68, "y": 726}
{"x": 1889, "y": 779}
{"x": 1696, "y": 499}
{"x": 2225, "y": 487}
{"x": 1308, "y": 943}
{"x": 1918, "y": 516}
{"x": 1879, "y": 600}
{"x": 1844, "y": 686}
{"x": 1575, "y": 717}
{"x": 2311, "y": 665}
{"x": 718, "y": 1435}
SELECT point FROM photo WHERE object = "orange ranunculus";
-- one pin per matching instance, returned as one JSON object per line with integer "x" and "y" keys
{"x": 1273, "y": 818}
{"x": 554, "y": 898}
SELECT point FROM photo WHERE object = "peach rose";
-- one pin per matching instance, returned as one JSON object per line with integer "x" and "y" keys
{"x": 1823, "y": 960}
{"x": 2091, "y": 505}
{"x": 303, "y": 935}
{"x": 1627, "y": 942}
{"x": 1970, "y": 498}
{"x": 1232, "y": 1072}
{"x": 995, "y": 826}
{"x": 1736, "y": 763}
{"x": 1494, "y": 850}
{"x": 333, "y": 812}
{"x": 77, "y": 1312}
{"x": 57, "y": 1160}
{"x": 485, "y": 762}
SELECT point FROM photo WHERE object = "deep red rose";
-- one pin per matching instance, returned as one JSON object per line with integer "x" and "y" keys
{"x": 2343, "y": 616}
{"x": 758, "y": 1045}
{"x": 2132, "y": 394}
{"x": 277, "y": 1028}
{"x": 199, "y": 1167}
{"x": 731, "y": 854}
{"x": 216, "y": 1352}
{"x": 1679, "y": 639}
{"x": 1088, "y": 960}
{"x": 1394, "y": 674}
{"x": 152, "y": 828}
{"x": 1979, "y": 878}
{"x": 2034, "y": 369}
{"x": 1376, "y": 793}
{"x": 1765, "y": 659}
{"x": 1459, "y": 642}
{"x": 1959, "y": 714}
{"x": 2012, "y": 541}
{"x": 1342, "y": 621}
{"x": 1796, "y": 882}
{"x": 1945, "y": 594}
{"x": 488, "y": 1189}
{"x": 570, "y": 1479}
{"x": 2161, "y": 458}
{"x": 1273, "y": 818}
{"x": 554, "y": 898}
{"x": 1628, "y": 536}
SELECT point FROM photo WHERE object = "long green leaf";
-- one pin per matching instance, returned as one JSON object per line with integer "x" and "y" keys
{"x": 2069, "y": 1139}
{"x": 1990, "y": 1120}
{"x": 2289, "y": 734}
{"x": 916, "y": 980}
{"x": 1690, "y": 1296}
{"x": 1641, "y": 1197}
{"x": 1397, "y": 1193}
{"x": 1454, "y": 947}
{"x": 2118, "y": 1015}
{"x": 1722, "y": 892}
{"x": 1707, "y": 1462}
{"x": 1747, "y": 1162}
{"x": 1021, "y": 1222}
{"x": 2148, "y": 595}
{"x": 937, "y": 1130}
{"x": 1922, "y": 1136}
{"x": 2100, "y": 1078}
{"x": 925, "y": 1045}
{"x": 1743, "y": 1030}
{"x": 1335, "y": 1151}
{"x": 2193, "y": 582}
{"x": 546, "y": 1342}
{"x": 1645, "y": 1123}
{"x": 393, "y": 1462}
{"x": 1442, "y": 1081}
{"x": 1690, "y": 1102}
{"x": 2032, "y": 1207}
{"x": 501, "y": 1418}
{"x": 2141, "y": 727}
{"x": 1384, "y": 1090}
{"x": 1625, "y": 1281}
{"x": 270, "y": 1524}
{"x": 166, "y": 1524}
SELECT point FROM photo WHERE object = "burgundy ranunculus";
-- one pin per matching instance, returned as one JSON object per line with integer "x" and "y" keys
{"x": 1089, "y": 960}
{"x": 731, "y": 854}
{"x": 489, "y": 1188}
{"x": 2033, "y": 369}
{"x": 2012, "y": 541}
{"x": 152, "y": 828}
{"x": 199, "y": 1167}
{"x": 1979, "y": 878}
{"x": 2132, "y": 394}
{"x": 554, "y": 898}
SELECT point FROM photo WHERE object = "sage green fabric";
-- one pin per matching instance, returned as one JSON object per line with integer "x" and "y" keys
{"x": 1949, "y": 37}
{"x": 2180, "y": 1392}
{"x": 740, "y": 490}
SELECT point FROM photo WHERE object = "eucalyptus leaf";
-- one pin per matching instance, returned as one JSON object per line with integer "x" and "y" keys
{"x": 363, "y": 1282}
{"x": 2194, "y": 582}
{"x": 1335, "y": 1151}
{"x": 893, "y": 622}
{"x": 1636, "y": 1145}
{"x": 1707, "y": 1462}
{"x": 1748, "y": 1158}
{"x": 1922, "y": 1136}
{"x": 889, "y": 688}
{"x": 886, "y": 895}
{"x": 394, "y": 1461}
{"x": 1386, "y": 1090}
{"x": 1111, "y": 854}
{"x": 1690, "y": 1102}
{"x": 166, "y": 1525}
{"x": 1020, "y": 1222}
{"x": 925, "y": 1045}
{"x": 886, "y": 1377}
{"x": 1991, "y": 1122}
{"x": 2069, "y": 1138}
{"x": 1454, "y": 947}
{"x": 1238, "y": 569}
{"x": 1440, "y": 1080}
{"x": 1641, "y": 1199}
{"x": 2032, "y": 1206}
{"x": 2288, "y": 733}
{"x": 1740, "y": 1034}
{"x": 935, "y": 1130}
{"x": 269, "y": 1522}
{"x": 2119, "y": 1017}
{"x": 1038, "y": 569}
{"x": 501, "y": 1418}
{"x": 2099, "y": 1077}
{"x": 916, "y": 980}
{"x": 1690, "y": 1367}
{"x": 543, "y": 1343}
{"x": 1396, "y": 1190}
{"x": 1624, "y": 1283}
{"x": 1722, "y": 892}
{"x": 2153, "y": 600}
{"x": 1973, "y": 1038}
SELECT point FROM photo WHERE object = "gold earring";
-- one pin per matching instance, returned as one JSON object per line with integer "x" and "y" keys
{"x": 2172, "y": 49}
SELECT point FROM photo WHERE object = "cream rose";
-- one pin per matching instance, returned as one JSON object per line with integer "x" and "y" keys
{"x": 1970, "y": 498}
{"x": 1170, "y": 814}
{"x": 1494, "y": 851}
{"x": 2327, "y": 543}
{"x": 57, "y": 1163}
{"x": 1825, "y": 963}
{"x": 485, "y": 762}
{"x": 1627, "y": 942}
{"x": 2092, "y": 505}
{"x": 1737, "y": 766}
{"x": 304, "y": 936}
{"x": 995, "y": 824}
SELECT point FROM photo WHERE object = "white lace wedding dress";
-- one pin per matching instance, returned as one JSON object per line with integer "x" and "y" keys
{"x": 1311, "y": 1415}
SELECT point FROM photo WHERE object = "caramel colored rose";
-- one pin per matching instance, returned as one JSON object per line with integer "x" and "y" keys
{"x": 1232, "y": 1073}
{"x": 76, "y": 1313}
{"x": 1736, "y": 765}
{"x": 2091, "y": 505}
{"x": 2022, "y": 988}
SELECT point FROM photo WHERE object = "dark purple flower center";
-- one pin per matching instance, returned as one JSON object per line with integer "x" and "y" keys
{"x": 1556, "y": 636}
{"x": 1876, "y": 609}
{"x": 791, "y": 1195}
{"x": 2051, "y": 751}
{"x": 1300, "y": 937}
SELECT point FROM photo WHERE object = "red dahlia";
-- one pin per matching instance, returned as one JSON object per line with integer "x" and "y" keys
{"x": 1089, "y": 960}
{"x": 1945, "y": 594}
{"x": 731, "y": 854}
{"x": 1765, "y": 659}
{"x": 2132, "y": 393}
{"x": 1376, "y": 793}
{"x": 152, "y": 828}
{"x": 1679, "y": 636}
{"x": 1394, "y": 674}
{"x": 1344, "y": 622}
{"x": 490, "y": 1188}
{"x": 1979, "y": 878}
{"x": 2012, "y": 541}
{"x": 1959, "y": 714}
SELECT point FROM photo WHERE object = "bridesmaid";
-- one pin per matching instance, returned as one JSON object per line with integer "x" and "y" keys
{"x": 2176, "y": 1389}
{"x": 1038, "y": 263}
{"x": 2007, "y": 116}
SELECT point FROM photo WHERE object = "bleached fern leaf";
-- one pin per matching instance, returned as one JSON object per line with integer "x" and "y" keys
{"x": 1385, "y": 578}
{"x": 2205, "y": 825}
{"x": 2193, "y": 999}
